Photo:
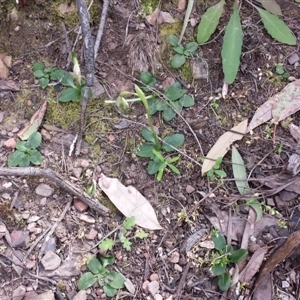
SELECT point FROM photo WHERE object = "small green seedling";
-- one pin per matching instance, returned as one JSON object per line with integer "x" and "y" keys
{"x": 182, "y": 52}
{"x": 27, "y": 152}
{"x": 125, "y": 229}
{"x": 281, "y": 72}
{"x": 110, "y": 281}
{"x": 222, "y": 257}
{"x": 74, "y": 87}
{"x": 215, "y": 171}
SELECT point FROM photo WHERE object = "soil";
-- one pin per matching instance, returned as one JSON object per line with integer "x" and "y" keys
{"x": 188, "y": 206}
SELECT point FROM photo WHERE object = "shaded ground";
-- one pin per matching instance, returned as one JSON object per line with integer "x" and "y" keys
{"x": 182, "y": 202}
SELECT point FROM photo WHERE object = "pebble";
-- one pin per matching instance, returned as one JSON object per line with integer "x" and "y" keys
{"x": 49, "y": 295}
{"x": 6, "y": 196}
{"x": 189, "y": 189}
{"x": 50, "y": 261}
{"x": 33, "y": 219}
{"x": 10, "y": 143}
{"x": 153, "y": 287}
{"x": 153, "y": 277}
{"x": 80, "y": 206}
{"x": 19, "y": 238}
{"x": 145, "y": 286}
{"x": 77, "y": 172}
{"x": 31, "y": 295}
{"x": 91, "y": 235}
{"x": 174, "y": 258}
{"x": 43, "y": 201}
{"x": 158, "y": 297}
{"x": 87, "y": 218}
{"x": 81, "y": 295}
{"x": 19, "y": 293}
{"x": 44, "y": 190}
{"x": 177, "y": 268}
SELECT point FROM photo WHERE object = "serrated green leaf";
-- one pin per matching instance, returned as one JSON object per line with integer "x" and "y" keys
{"x": 145, "y": 150}
{"x": 34, "y": 140}
{"x": 239, "y": 172}
{"x": 209, "y": 22}
{"x": 174, "y": 140}
{"x": 276, "y": 28}
{"x": 147, "y": 135}
{"x": 107, "y": 260}
{"x": 141, "y": 234}
{"x": 107, "y": 244}
{"x": 224, "y": 282}
{"x": 177, "y": 61}
{"x": 70, "y": 94}
{"x": 126, "y": 244}
{"x": 232, "y": 46}
{"x": 238, "y": 255}
{"x": 86, "y": 280}
{"x": 128, "y": 223}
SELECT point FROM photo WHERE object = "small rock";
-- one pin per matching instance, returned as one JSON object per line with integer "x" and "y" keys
{"x": 15, "y": 130}
{"x": 77, "y": 172}
{"x": 158, "y": 297}
{"x": 189, "y": 189}
{"x": 145, "y": 286}
{"x": 97, "y": 89}
{"x": 293, "y": 58}
{"x": 19, "y": 293}
{"x": 10, "y": 143}
{"x": 19, "y": 238}
{"x": 25, "y": 215}
{"x": 6, "y": 196}
{"x": 153, "y": 277}
{"x": 44, "y": 190}
{"x": 84, "y": 163}
{"x": 49, "y": 295}
{"x": 99, "y": 292}
{"x": 177, "y": 268}
{"x": 174, "y": 258}
{"x": 285, "y": 284}
{"x": 153, "y": 287}
{"x": 43, "y": 201}
{"x": 29, "y": 264}
{"x": 81, "y": 295}
{"x": 91, "y": 235}
{"x": 31, "y": 227}
{"x": 87, "y": 218}
{"x": 33, "y": 219}
{"x": 14, "y": 15}
{"x": 80, "y": 206}
{"x": 50, "y": 261}
{"x": 31, "y": 295}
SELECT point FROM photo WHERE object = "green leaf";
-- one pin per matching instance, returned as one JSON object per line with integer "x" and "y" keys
{"x": 147, "y": 135}
{"x": 187, "y": 101}
{"x": 25, "y": 161}
{"x": 177, "y": 61}
{"x": 179, "y": 49}
{"x": 173, "y": 39}
{"x": 49, "y": 69}
{"x": 256, "y": 206}
{"x": 126, "y": 244}
{"x": 191, "y": 47}
{"x": 219, "y": 240}
{"x": 174, "y": 140}
{"x": 239, "y": 172}
{"x": 141, "y": 234}
{"x": 128, "y": 223}
{"x": 94, "y": 265}
{"x": 220, "y": 173}
{"x": 15, "y": 158}
{"x": 109, "y": 291}
{"x": 107, "y": 244}
{"x": 117, "y": 280}
{"x": 38, "y": 73}
{"x": 169, "y": 114}
{"x": 158, "y": 155}
{"x": 107, "y": 260}
{"x": 271, "y": 6}
{"x": 153, "y": 104}
{"x": 122, "y": 105}
{"x": 147, "y": 78}
{"x": 70, "y": 94}
{"x": 34, "y": 140}
{"x": 276, "y": 28}
{"x": 209, "y": 22}
{"x": 22, "y": 146}
{"x": 238, "y": 255}
{"x": 174, "y": 169}
{"x": 174, "y": 92}
{"x": 153, "y": 166}
{"x": 145, "y": 150}
{"x": 224, "y": 282}
{"x": 218, "y": 269}
{"x": 68, "y": 80}
{"x": 232, "y": 46}
{"x": 38, "y": 66}
{"x": 35, "y": 157}
{"x": 57, "y": 74}
{"x": 44, "y": 82}
{"x": 86, "y": 280}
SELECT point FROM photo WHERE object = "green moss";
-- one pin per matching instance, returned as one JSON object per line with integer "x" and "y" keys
{"x": 148, "y": 6}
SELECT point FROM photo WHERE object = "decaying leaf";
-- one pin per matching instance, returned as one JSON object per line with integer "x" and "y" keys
{"x": 223, "y": 144}
{"x": 295, "y": 132}
{"x": 292, "y": 242}
{"x": 130, "y": 202}
{"x": 264, "y": 289}
{"x": 5, "y": 64}
{"x": 34, "y": 123}
{"x": 271, "y": 6}
{"x": 9, "y": 85}
{"x": 159, "y": 17}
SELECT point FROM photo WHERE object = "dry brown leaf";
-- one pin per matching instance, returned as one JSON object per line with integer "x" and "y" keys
{"x": 130, "y": 202}
{"x": 295, "y": 131}
{"x": 181, "y": 5}
{"x": 264, "y": 290}
{"x": 222, "y": 145}
{"x": 271, "y": 6}
{"x": 253, "y": 265}
{"x": 159, "y": 17}
{"x": 292, "y": 242}
{"x": 34, "y": 123}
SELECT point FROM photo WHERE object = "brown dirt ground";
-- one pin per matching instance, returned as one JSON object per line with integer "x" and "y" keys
{"x": 37, "y": 35}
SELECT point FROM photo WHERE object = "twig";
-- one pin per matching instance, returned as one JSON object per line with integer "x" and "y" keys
{"x": 101, "y": 27}
{"x": 60, "y": 181}
{"x": 89, "y": 64}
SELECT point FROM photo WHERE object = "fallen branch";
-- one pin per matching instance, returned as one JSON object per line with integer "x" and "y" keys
{"x": 61, "y": 182}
